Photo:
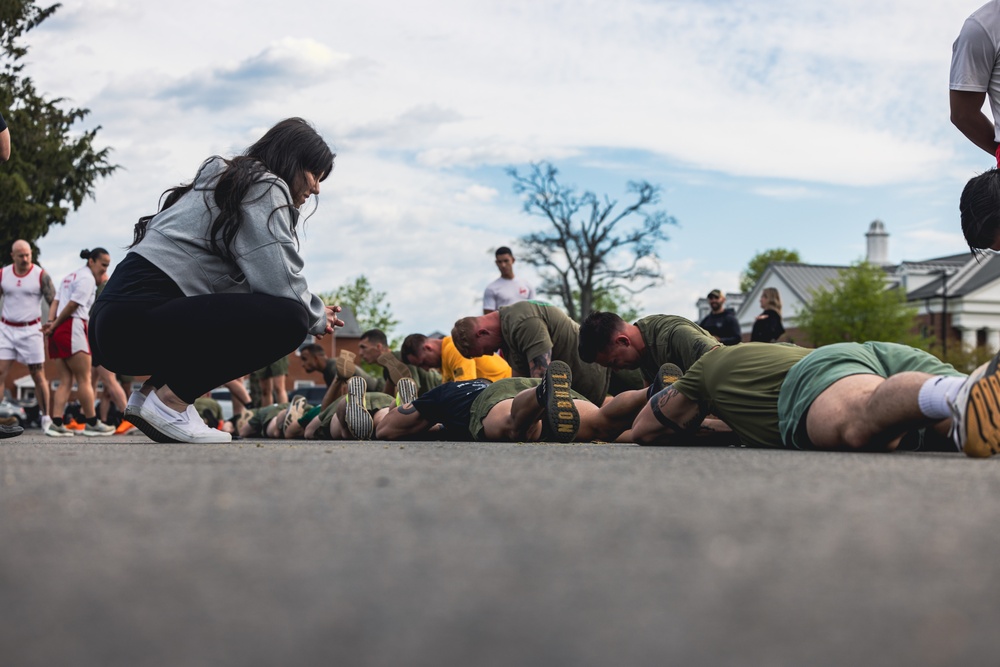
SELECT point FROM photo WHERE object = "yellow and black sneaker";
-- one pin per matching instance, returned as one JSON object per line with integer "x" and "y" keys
{"x": 561, "y": 418}
{"x": 975, "y": 412}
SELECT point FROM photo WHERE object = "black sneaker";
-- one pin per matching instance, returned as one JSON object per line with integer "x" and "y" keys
{"x": 666, "y": 376}
{"x": 561, "y": 418}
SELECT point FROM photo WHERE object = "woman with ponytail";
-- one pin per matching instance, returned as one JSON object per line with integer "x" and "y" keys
{"x": 66, "y": 330}
{"x": 219, "y": 264}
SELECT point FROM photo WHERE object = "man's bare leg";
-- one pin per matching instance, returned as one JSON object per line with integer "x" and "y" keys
{"x": 868, "y": 411}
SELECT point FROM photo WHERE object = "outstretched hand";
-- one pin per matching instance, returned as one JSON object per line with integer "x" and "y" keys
{"x": 332, "y": 320}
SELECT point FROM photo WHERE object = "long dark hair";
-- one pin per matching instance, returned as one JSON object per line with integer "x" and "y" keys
{"x": 286, "y": 151}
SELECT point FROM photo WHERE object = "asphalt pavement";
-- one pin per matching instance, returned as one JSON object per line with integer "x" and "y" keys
{"x": 117, "y": 551}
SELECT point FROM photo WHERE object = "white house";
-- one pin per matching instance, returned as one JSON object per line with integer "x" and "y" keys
{"x": 957, "y": 296}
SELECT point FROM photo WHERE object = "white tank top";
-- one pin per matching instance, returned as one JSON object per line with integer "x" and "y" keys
{"x": 21, "y": 294}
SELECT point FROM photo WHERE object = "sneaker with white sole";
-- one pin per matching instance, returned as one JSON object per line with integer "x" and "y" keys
{"x": 359, "y": 422}
{"x": 975, "y": 421}
{"x": 184, "y": 426}
{"x": 100, "y": 428}
{"x": 59, "y": 431}
{"x": 133, "y": 415}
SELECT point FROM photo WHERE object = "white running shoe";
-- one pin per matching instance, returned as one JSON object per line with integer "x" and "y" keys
{"x": 59, "y": 431}
{"x": 100, "y": 428}
{"x": 185, "y": 426}
{"x": 975, "y": 421}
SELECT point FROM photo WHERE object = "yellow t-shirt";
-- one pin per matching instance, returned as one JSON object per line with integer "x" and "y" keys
{"x": 455, "y": 367}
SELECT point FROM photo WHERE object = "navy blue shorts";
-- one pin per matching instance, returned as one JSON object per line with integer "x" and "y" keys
{"x": 450, "y": 404}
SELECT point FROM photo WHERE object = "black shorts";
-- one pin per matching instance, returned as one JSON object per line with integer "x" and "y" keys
{"x": 450, "y": 404}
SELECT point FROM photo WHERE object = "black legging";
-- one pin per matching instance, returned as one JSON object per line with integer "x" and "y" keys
{"x": 194, "y": 344}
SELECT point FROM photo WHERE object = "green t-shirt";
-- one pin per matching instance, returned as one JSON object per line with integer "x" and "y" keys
{"x": 532, "y": 328}
{"x": 671, "y": 339}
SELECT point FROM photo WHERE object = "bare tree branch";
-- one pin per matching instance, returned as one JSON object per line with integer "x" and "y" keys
{"x": 593, "y": 249}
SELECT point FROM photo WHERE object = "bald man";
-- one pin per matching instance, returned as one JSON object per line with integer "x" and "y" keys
{"x": 23, "y": 285}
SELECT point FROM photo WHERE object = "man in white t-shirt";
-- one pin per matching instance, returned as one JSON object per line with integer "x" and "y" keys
{"x": 506, "y": 289}
{"x": 24, "y": 285}
{"x": 975, "y": 73}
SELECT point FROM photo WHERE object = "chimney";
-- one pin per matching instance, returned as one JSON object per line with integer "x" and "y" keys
{"x": 878, "y": 244}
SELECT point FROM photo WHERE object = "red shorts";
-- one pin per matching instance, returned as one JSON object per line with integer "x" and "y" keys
{"x": 69, "y": 338}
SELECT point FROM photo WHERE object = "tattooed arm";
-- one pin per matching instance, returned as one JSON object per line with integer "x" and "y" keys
{"x": 670, "y": 417}
{"x": 540, "y": 364}
{"x": 48, "y": 289}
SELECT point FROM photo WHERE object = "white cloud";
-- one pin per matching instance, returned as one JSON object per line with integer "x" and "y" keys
{"x": 477, "y": 193}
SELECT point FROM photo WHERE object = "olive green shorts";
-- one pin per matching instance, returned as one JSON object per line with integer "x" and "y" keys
{"x": 501, "y": 390}
{"x": 813, "y": 375}
{"x": 279, "y": 367}
{"x": 263, "y": 415}
{"x": 739, "y": 384}
{"x": 374, "y": 401}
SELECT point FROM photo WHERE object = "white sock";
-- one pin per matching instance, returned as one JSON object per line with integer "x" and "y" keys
{"x": 936, "y": 393}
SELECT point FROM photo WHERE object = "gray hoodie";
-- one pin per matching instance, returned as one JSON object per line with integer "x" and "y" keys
{"x": 266, "y": 258}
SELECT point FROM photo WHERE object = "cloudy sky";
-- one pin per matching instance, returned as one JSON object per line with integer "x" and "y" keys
{"x": 786, "y": 123}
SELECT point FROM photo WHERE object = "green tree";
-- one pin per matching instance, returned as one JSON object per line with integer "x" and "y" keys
{"x": 368, "y": 305}
{"x": 759, "y": 263}
{"x": 591, "y": 247}
{"x": 858, "y": 307}
{"x": 52, "y": 167}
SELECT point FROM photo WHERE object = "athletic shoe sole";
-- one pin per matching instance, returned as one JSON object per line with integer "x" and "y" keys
{"x": 397, "y": 369}
{"x": 93, "y": 433}
{"x": 294, "y": 412}
{"x": 10, "y": 430}
{"x": 132, "y": 416}
{"x": 406, "y": 391}
{"x": 345, "y": 365}
{"x": 206, "y": 436}
{"x": 976, "y": 412}
{"x": 561, "y": 416}
{"x": 359, "y": 422}
{"x": 52, "y": 433}
{"x": 666, "y": 376}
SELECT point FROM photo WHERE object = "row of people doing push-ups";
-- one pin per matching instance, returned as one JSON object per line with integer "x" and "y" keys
{"x": 660, "y": 380}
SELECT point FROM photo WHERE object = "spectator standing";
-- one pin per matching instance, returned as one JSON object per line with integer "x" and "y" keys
{"x": 24, "y": 285}
{"x": 506, "y": 289}
{"x": 975, "y": 75}
{"x": 66, "y": 330}
{"x": 721, "y": 322}
{"x": 767, "y": 328}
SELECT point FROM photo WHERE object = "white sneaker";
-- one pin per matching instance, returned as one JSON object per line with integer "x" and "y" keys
{"x": 184, "y": 426}
{"x": 975, "y": 421}
{"x": 59, "y": 431}
{"x": 100, "y": 428}
{"x": 133, "y": 415}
